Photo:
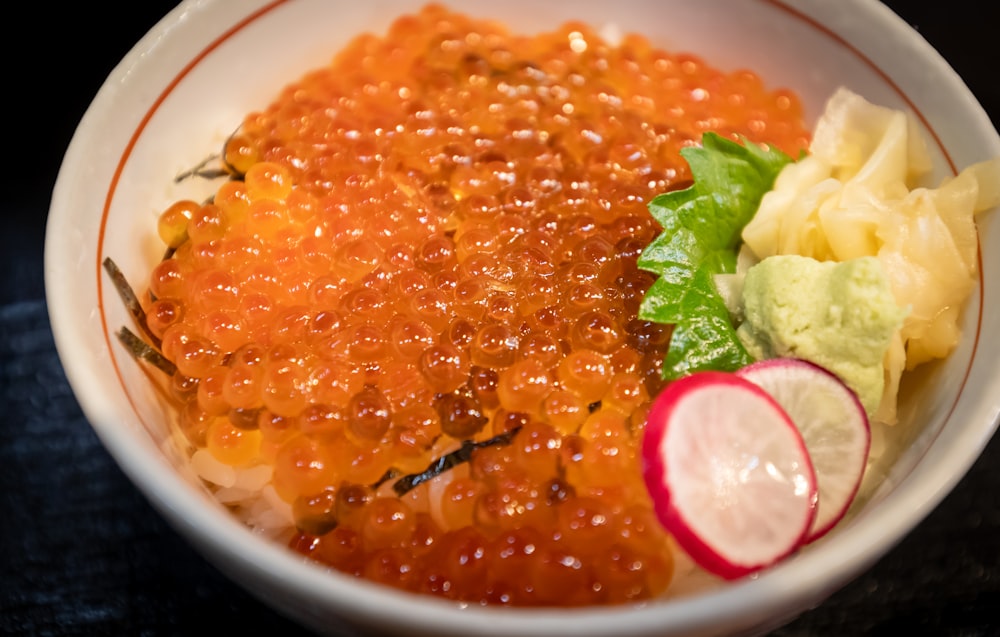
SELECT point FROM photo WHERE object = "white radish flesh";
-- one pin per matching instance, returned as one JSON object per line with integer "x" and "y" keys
{"x": 728, "y": 473}
{"x": 833, "y": 425}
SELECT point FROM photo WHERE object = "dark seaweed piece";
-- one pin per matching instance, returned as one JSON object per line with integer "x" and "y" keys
{"x": 202, "y": 170}
{"x": 130, "y": 300}
{"x": 389, "y": 474}
{"x": 142, "y": 351}
{"x": 449, "y": 460}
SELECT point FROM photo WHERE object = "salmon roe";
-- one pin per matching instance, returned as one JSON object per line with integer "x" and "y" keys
{"x": 434, "y": 240}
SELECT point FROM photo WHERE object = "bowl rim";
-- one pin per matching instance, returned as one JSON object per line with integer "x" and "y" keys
{"x": 253, "y": 557}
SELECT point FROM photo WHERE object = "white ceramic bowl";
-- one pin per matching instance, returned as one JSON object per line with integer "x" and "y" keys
{"x": 151, "y": 119}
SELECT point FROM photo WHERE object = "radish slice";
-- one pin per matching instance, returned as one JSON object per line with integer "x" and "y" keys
{"x": 728, "y": 473}
{"x": 833, "y": 425}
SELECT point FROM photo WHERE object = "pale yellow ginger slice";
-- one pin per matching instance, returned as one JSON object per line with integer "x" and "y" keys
{"x": 854, "y": 196}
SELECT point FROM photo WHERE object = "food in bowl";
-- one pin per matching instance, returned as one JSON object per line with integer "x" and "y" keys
{"x": 407, "y": 337}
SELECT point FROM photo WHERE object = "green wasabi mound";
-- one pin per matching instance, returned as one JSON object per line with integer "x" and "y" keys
{"x": 839, "y": 315}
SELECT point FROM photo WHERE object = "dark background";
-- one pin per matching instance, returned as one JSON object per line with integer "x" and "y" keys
{"x": 82, "y": 553}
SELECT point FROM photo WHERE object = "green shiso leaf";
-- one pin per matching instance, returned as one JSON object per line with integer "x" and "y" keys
{"x": 700, "y": 238}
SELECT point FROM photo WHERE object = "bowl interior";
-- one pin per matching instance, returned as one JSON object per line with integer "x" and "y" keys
{"x": 186, "y": 86}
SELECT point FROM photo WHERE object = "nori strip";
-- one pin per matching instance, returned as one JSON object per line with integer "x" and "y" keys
{"x": 205, "y": 173}
{"x": 130, "y": 300}
{"x": 449, "y": 460}
{"x": 201, "y": 170}
{"x": 142, "y": 351}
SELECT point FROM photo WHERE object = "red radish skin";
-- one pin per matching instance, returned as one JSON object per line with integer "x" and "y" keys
{"x": 723, "y": 462}
{"x": 833, "y": 424}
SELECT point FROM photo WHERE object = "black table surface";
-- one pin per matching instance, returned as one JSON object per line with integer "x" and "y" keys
{"x": 82, "y": 552}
